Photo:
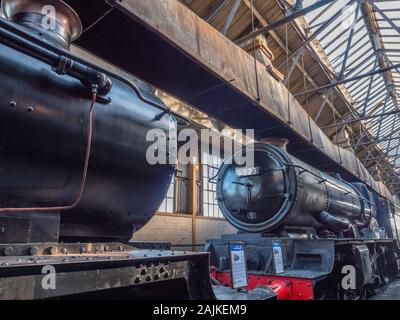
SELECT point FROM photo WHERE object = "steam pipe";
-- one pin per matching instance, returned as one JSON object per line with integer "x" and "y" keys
{"x": 11, "y": 32}
{"x": 60, "y": 63}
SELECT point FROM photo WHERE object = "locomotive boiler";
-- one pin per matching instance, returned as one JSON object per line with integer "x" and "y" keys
{"x": 69, "y": 163}
{"x": 282, "y": 191}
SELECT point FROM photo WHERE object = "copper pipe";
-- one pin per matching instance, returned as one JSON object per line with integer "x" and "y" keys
{"x": 84, "y": 174}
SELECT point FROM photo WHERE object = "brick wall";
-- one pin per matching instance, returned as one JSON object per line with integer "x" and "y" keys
{"x": 177, "y": 229}
{"x": 211, "y": 228}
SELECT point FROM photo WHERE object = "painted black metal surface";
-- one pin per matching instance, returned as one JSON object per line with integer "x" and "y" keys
{"x": 310, "y": 259}
{"x": 126, "y": 274}
{"x": 320, "y": 260}
{"x": 389, "y": 292}
{"x": 44, "y": 118}
{"x": 285, "y": 191}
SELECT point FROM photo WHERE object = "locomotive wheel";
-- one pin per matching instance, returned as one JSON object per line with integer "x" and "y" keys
{"x": 382, "y": 268}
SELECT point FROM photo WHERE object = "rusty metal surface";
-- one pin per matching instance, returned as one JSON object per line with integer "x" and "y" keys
{"x": 214, "y": 52}
{"x": 35, "y": 249}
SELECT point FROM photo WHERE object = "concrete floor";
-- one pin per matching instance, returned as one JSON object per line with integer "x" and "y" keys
{"x": 390, "y": 292}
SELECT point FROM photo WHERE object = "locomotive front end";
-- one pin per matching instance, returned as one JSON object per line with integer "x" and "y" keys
{"x": 280, "y": 191}
{"x": 258, "y": 198}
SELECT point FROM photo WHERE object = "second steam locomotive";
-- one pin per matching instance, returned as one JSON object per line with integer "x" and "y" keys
{"x": 300, "y": 228}
{"x": 280, "y": 190}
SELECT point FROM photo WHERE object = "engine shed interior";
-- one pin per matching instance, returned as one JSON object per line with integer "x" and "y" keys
{"x": 230, "y": 149}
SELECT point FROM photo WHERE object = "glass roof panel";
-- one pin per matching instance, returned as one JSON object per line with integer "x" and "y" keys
{"x": 368, "y": 51}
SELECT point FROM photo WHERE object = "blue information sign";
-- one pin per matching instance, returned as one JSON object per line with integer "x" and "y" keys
{"x": 238, "y": 265}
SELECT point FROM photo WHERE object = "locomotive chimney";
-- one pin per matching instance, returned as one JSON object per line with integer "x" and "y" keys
{"x": 53, "y": 20}
{"x": 280, "y": 143}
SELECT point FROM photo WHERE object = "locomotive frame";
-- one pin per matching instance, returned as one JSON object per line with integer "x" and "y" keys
{"x": 103, "y": 271}
{"x": 313, "y": 268}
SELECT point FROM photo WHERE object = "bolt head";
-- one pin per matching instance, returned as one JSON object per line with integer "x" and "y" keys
{"x": 33, "y": 251}
{"x": 8, "y": 251}
{"x": 53, "y": 250}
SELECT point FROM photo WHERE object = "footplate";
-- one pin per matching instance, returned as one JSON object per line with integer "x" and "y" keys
{"x": 121, "y": 272}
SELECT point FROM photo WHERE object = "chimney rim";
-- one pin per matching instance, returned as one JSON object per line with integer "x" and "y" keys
{"x": 65, "y": 14}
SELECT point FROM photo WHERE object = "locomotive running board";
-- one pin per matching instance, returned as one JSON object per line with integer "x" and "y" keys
{"x": 310, "y": 265}
{"x": 309, "y": 259}
{"x": 124, "y": 273}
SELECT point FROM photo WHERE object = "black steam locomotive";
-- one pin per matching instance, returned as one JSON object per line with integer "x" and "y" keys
{"x": 56, "y": 110}
{"x": 321, "y": 223}
{"x": 74, "y": 180}
{"x": 281, "y": 190}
